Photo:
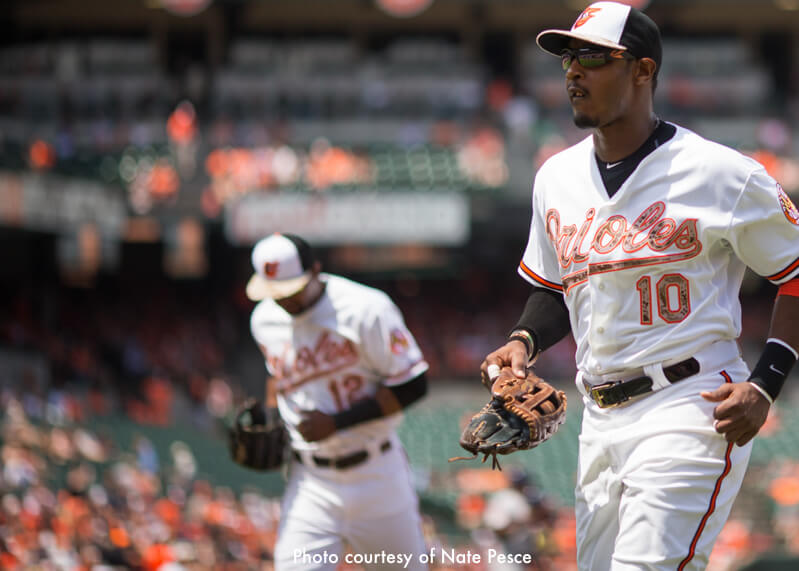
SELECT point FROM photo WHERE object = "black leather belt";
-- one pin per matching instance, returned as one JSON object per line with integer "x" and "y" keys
{"x": 344, "y": 462}
{"x": 614, "y": 393}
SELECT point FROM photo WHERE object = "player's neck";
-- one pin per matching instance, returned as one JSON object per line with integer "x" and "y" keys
{"x": 621, "y": 138}
{"x": 300, "y": 303}
{"x": 315, "y": 294}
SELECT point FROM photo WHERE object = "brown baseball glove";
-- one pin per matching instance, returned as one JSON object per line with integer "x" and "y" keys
{"x": 522, "y": 414}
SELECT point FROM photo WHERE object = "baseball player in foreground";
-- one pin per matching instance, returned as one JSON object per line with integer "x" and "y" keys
{"x": 342, "y": 365}
{"x": 639, "y": 239}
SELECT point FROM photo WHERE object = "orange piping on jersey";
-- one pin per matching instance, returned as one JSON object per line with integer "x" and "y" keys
{"x": 580, "y": 276}
{"x": 779, "y": 275}
{"x": 539, "y": 279}
{"x": 711, "y": 508}
{"x": 790, "y": 288}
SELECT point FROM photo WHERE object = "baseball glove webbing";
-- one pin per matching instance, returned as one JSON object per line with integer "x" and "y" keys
{"x": 521, "y": 414}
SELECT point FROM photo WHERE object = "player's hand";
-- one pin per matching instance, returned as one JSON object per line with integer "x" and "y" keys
{"x": 742, "y": 410}
{"x": 513, "y": 353}
{"x": 316, "y": 425}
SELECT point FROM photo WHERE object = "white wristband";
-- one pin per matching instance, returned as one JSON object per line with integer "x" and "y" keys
{"x": 763, "y": 392}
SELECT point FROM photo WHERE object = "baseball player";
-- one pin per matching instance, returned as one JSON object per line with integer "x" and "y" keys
{"x": 342, "y": 365}
{"x": 639, "y": 239}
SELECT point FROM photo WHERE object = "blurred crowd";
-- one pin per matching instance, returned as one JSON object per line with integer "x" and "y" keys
{"x": 117, "y": 509}
{"x": 72, "y": 498}
{"x": 130, "y": 351}
{"x": 126, "y": 353}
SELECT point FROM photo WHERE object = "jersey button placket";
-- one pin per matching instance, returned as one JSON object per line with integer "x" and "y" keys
{"x": 603, "y": 313}
{"x": 603, "y": 304}
{"x": 599, "y": 314}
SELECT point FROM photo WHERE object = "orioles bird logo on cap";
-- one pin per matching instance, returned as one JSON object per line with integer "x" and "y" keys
{"x": 587, "y": 14}
{"x": 270, "y": 269}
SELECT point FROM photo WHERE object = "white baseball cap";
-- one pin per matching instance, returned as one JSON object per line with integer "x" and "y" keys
{"x": 283, "y": 266}
{"x": 612, "y": 25}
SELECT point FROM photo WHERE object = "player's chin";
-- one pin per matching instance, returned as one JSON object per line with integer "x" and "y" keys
{"x": 583, "y": 120}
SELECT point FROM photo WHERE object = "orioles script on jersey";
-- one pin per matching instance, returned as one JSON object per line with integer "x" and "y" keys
{"x": 650, "y": 231}
{"x": 331, "y": 352}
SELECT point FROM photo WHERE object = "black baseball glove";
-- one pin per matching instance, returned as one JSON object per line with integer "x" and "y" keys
{"x": 522, "y": 414}
{"x": 258, "y": 438}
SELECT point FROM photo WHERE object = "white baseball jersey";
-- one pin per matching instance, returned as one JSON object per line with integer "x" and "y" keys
{"x": 653, "y": 273}
{"x": 335, "y": 353}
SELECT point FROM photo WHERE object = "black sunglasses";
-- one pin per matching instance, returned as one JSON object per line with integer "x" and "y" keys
{"x": 591, "y": 57}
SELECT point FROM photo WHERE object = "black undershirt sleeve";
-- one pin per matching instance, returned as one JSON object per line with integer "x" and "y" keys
{"x": 545, "y": 317}
{"x": 369, "y": 409}
{"x": 410, "y": 391}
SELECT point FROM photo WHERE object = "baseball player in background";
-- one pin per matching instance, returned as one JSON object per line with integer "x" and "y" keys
{"x": 639, "y": 239}
{"x": 342, "y": 365}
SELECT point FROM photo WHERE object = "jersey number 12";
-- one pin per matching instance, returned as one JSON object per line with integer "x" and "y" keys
{"x": 346, "y": 391}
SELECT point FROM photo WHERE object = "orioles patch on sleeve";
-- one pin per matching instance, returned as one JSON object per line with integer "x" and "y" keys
{"x": 788, "y": 207}
{"x": 399, "y": 342}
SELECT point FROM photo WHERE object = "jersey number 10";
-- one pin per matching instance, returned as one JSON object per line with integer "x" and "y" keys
{"x": 672, "y": 294}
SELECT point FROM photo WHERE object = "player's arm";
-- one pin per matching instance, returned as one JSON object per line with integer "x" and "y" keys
{"x": 388, "y": 400}
{"x": 270, "y": 384}
{"x": 744, "y": 407}
{"x": 271, "y": 392}
{"x": 543, "y": 322}
{"x": 782, "y": 348}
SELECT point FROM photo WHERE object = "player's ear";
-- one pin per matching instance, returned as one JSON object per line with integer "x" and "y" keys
{"x": 645, "y": 70}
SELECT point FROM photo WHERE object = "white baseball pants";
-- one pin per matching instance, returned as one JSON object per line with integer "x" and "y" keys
{"x": 372, "y": 507}
{"x": 656, "y": 482}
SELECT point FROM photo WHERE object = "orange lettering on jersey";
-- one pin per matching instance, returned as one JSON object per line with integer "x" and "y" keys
{"x": 650, "y": 230}
{"x": 648, "y": 217}
{"x": 576, "y": 255}
{"x": 609, "y": 234}
{"x": 560, "y": 236}
{"x": 661, "y": 235}
{"x": 332, "y": 352}
{"x": 687, "y": 236}
{"x": 587, "y": 14}
{"x": 788, "y": 207}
